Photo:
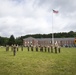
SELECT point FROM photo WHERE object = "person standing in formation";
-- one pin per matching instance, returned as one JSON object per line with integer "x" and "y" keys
{"x": 32, "y": 48}
{"x": 51, "y": 48}
{"x": 48, "y": 49}
{"x": 59, "y": 49}
{"x": 36, "y": 49}
{"x": 22, "y": 47}
{"x": 7, "y": 47}
{"x": 12, "y": 47}
{"x": 17, "y": 47}
{"x": 45, "y": 48}
{"x": 28, "y": 48}
{"x": 56, "y": 45}
{"x": 14, "y": 50}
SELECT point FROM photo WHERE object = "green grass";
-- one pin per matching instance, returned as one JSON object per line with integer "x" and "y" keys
{"x": 38, "y": 63}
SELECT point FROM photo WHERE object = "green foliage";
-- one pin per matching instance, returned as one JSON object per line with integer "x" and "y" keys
{"x": 38, "y": 63}
{"x": 11, "y": 40}
{"x": 56, "y": 35}
{"x": 3, "y": 41}
{"x": 19, "y": 40}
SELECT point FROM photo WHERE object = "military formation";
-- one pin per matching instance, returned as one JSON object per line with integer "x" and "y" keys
{"x": 51, "y": 49}
{"x": 14, "y": 48}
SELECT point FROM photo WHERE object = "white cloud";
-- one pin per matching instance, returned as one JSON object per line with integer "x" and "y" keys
{"x": 21, "y": 17}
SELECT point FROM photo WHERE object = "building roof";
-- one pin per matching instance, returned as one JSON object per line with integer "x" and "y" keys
{"x": 48, "y": 39}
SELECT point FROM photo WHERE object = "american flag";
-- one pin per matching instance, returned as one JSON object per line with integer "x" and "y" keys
{"x": 55, "y": 11}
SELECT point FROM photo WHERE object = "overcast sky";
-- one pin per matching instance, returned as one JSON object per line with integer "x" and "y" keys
{"x": 22, "y": 17}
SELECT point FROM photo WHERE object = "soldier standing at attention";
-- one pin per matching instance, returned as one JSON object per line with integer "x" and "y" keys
{"x": 22, "y": 47}
{"x": 11, "y": 47}
{"x": 41, "y": 49}
{"x": 36, "y": 49}
{"x": 45, "y": 48}
{"x": 48, "y": 49}
{"x": 17, "y": 47}
{"x": 59, "y": 49}
{"x": 56, "y": 45}
{"x": 7, "y": 47}
{"x": 55, "y": 49}
{"x": 14, "y": 50}
{"x": 28, "y": 48}
{"x": 51, "y": 48}
{"x": 31, "y": 48}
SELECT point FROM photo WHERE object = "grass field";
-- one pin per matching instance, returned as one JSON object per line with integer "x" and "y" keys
{"x": 38, "y": 63}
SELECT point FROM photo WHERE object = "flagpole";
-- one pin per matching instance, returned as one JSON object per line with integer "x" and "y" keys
{"x": 52, "y": 30}
{"x": 53, "y": 11}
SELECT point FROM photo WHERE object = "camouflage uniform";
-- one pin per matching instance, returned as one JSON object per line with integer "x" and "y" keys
{"x": 36, "y": 49}
{"x": 59, "y": 49}
{"x": 7, "y": 48}
{"x": 48, "y": 49}
{"x": 22, "y": 47}
{"x": 45, "y": 48}
{"x": 28, "y": 48}
{"x": 51, "y": 48}
{"x": 17, "y": 47}
{"x": 14, "y": 50}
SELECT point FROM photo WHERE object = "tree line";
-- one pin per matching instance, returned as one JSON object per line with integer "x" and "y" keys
{"x": 9, "y": 41}
{"x": 19, "y": 40}
{"x": 56, "y": 35}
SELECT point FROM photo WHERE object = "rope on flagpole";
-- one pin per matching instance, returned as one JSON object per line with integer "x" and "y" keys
{"x": 52, "y": 30}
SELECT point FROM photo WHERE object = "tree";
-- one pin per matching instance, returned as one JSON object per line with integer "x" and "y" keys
{"x": 1, "y": 41}
{"x": 19, "y": 41}
{"x": 11, "y": 40}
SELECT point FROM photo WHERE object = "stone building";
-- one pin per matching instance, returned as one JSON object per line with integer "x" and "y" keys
{"x": 30, "y": 41}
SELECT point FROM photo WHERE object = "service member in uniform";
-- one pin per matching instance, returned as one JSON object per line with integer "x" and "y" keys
{"x": 17, "y": 47}
{"x": 36, "y": 49}
{"x": 12, "y": 47}
{"x": 32, "y": 48}
{"x": 45, "y": 48}
{"x": 51, "y": 48}
{"x": 59, "y": 49}
{"x": 14, "y": 50}
{"x": 56, "y": 45}
{"x": 22, "y": 47}
{"x": 41, "y": 49}
{"x": 48, "y": 49}
{"x": 7, "y": 48}
{"x": 28, "y": 48}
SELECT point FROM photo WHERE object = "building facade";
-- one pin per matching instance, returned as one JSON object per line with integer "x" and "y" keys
{"x": 30, "y": 41}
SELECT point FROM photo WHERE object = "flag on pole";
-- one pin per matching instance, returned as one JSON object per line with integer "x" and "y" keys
{"x": 55, "y": 11}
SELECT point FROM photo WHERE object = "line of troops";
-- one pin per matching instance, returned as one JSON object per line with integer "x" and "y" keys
{"x": 51, "y": 48}
{"x": 54, "y": 48}
{"x": 14, "y": 48}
